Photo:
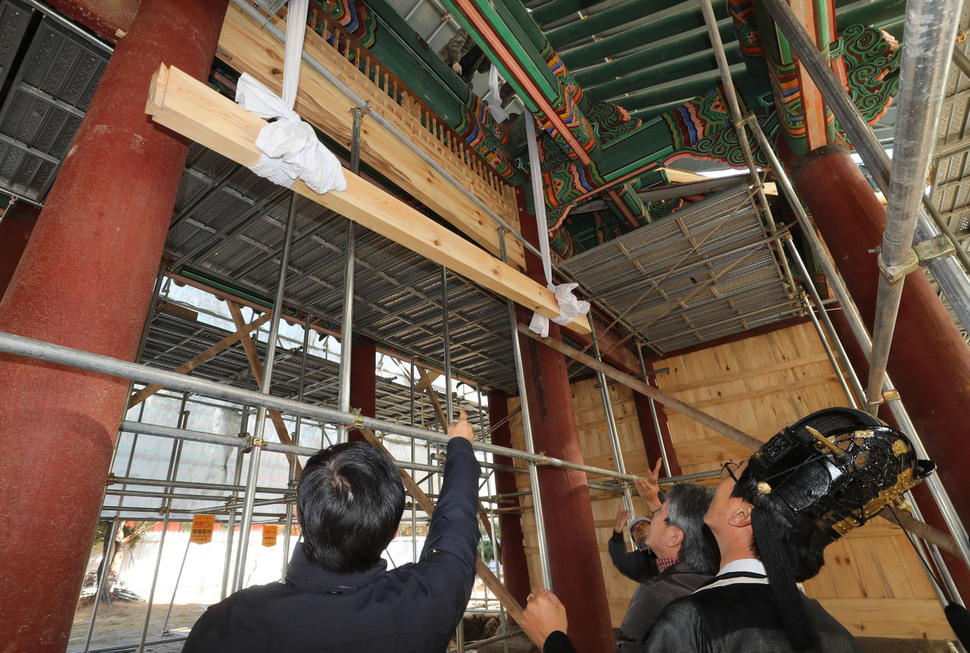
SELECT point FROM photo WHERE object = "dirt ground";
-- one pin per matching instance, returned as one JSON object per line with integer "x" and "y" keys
{"x": 122, "y": 623}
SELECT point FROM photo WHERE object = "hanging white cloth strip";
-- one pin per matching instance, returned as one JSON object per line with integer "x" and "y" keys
{"x": 290, "y": 149}
{"x": 569, "y": 305}
{"x": 296, "y": 15}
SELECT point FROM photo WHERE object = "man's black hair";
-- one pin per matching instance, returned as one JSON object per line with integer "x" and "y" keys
{"x": 686, "y": 505}
{"x": 349, "y": 501}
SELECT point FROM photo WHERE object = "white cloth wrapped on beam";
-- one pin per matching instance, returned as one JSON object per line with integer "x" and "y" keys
{"x": 288, "y": 145}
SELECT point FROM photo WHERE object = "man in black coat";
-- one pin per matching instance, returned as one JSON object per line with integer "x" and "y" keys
{"x": 338, "y": 595}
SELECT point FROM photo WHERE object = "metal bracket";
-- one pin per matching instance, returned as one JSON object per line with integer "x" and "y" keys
{"x": 249, "y": 442}
{"x": 895, "y": 273}
{"x": 358, "y": 419}
{"x": 888, "y": 395}
{"x": 111, "y": 480}
{"x": 934, "y": 248}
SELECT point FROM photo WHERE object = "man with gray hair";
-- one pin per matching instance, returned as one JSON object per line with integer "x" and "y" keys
{"x": 686, "y": 559}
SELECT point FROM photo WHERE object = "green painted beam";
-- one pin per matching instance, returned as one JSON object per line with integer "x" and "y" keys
{"x": 683, "y": 90}
{"x": 662, "y": 35}
{"x": 658, "y": 52}
{"x": 608, "y": 19}
{"x": 662, "y": 74}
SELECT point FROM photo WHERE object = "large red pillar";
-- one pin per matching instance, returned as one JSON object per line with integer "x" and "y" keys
{"x": 574, "y": 556}
{"x": 515, "y": 570}
{"x": 929, "y": 362}
{"x": 15, "y": 227}
{"x": 85, "y": 281}
{"x": 363, "y": 381}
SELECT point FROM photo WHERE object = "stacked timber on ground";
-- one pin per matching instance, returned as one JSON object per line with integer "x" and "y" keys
{"x": 872, "y": 580}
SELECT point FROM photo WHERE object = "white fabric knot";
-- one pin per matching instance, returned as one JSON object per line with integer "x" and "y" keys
{"x": 569, "y": 307}
{"x": 289, "y": 147}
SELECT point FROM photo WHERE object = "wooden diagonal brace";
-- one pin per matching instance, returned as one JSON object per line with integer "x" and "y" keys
{"x": 257, "y": 367}
{"x": 240, "y": 334}
{"x": 491, "y": 582}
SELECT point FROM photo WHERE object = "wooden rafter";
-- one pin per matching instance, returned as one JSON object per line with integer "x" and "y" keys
{"x": 190, "y": 108}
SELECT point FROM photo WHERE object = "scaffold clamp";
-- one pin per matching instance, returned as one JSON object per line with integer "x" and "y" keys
{"x": 895, "y": 273}
{"x": 358, "y": 419}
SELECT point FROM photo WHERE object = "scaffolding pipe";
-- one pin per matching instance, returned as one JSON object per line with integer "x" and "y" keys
{"x": 231, "y": 521}
{"x": 446, "y": 344}
{"x": 653, "y": 412}
{"x": 102, "y": 581}
{"x": 173, "y": 467}
{"x": 28, "y": 347}
{"x": 614, "y": 435}
{"x": 160, "y": 431}
{"x": 810, "y": 310}
{"x": 291, "y": 484}
{"x": 869, "y": 148}
{"x": 730, "y": 95}
{"x": 527, "y": 433}
{"x": 264, "y": 387}
{"x": 931, "y": 27}
{"x": 178, "y": 579}
{"x": 940, "y": 496}
{"x": 347, "y": 319}
{"x": 860, "y": 393}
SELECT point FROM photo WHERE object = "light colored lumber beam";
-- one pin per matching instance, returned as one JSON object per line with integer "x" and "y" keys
{"x": 494, "y": 584}
{"x": 257, "y": 367}
{"x": 920, "y": 529}
{"x": 190, "y": 108}
{"x": 208, "y": 354}
{"x": 249, "y": 48}
{"x": 633, "y": 383}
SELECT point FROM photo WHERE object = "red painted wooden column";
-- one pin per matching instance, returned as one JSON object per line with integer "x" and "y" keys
{"x": 15, "y": 227}
{"x": 577, "y": 573}
{"x": 515, "y": 569}
{"x": 85, "y": 281}
{"x": 929, "y": 362}
{"x": 363, "y": 381}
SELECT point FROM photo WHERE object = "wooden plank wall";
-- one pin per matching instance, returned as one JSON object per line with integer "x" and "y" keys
{"x": 872, "y": 580}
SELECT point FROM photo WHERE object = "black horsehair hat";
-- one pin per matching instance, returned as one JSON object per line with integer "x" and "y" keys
{"x": 834, "y": 469}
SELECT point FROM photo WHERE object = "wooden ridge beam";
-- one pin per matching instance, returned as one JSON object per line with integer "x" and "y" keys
{"x": 190, "y": 108}
{"x": 249, "y": 48}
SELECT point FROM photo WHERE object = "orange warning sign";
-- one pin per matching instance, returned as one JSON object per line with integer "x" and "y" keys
{"x": 270, "y": 532}
{"x": 202, "y": 528}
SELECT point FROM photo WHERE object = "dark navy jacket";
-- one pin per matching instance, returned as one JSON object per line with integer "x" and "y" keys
{"x": 414, "y": 608}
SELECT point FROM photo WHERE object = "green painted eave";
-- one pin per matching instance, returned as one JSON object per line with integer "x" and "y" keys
{"x": 688, "y": 44}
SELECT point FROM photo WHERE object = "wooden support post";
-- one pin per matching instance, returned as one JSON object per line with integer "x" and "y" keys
{"x": 190, "y": 108}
